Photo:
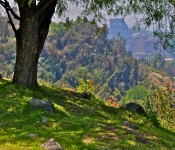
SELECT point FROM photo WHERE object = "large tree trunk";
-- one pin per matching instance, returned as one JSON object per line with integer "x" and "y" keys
{"x": 27, "y": 47}
{"x": 30, "y": 38}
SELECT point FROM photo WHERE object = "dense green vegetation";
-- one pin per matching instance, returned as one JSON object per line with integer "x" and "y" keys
{"x": 157, "y": 103}
{"x": 80, "y": 49}
{"x": 76, "y": 124}
{"x": 78, "y": 57}
{"x": 136, "y": 93}
{"x": 76, "y": 50}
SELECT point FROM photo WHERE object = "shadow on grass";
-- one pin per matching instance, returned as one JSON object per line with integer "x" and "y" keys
{"x": 77, "y": 123}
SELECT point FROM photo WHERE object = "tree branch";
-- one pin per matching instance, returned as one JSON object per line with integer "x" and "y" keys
{"x": 21, "y": 3}
{"x": 44, "y": 9}
{"x": 2, "y": 3}
{"x": 7, "y": 8}
{"x": 14, "y": 14}
{"x": 11, "y": 21}
{"x": 43, "y": 5}
{"x": 6, "y": 5}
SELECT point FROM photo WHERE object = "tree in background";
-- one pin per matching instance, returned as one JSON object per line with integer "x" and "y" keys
{"x": 34, "y": 18}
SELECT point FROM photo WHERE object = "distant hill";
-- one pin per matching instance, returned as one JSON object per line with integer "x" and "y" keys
{"x": 80, "y": 49}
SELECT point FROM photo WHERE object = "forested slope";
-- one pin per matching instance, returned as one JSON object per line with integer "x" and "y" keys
{"x": 76, "y": 50}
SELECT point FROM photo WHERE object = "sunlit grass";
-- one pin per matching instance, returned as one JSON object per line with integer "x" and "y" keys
{"x": 77, "y": 124}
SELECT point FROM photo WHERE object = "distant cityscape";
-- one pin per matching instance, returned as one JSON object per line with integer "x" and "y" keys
{"x": 142, "y": 44}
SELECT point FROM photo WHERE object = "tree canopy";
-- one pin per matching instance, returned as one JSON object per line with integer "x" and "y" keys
{"x": 158, "y": 13}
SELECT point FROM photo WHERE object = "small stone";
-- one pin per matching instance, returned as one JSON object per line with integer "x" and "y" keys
{"x": 130, "y": 125}
{"x": 44, "y": 120}
{"x": 32, "y": 135}
{"x": 125, "y": 123}
{"x": 51, "y": 145}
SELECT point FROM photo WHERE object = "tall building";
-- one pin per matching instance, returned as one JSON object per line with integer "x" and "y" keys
{"x": 143, "y": 44}
{"x": 118, "y": 27}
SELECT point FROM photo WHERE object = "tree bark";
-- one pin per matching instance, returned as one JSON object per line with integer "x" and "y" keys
{"x": 27, "y": 53}
{"x": 30, "y": 38}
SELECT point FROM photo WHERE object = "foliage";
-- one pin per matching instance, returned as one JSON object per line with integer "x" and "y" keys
{"x": 84, "y": 48}
{"x": 81, "y": 46}
{"x": 157, "y": 103}
{"x": 77, "y": 47}
{"x": 113, "y": 103}
{"x": 86, "y": 86}
{"x": 159, "y": 107}
{"x": 137, "y": 93}
{"x": 164, "y": 106}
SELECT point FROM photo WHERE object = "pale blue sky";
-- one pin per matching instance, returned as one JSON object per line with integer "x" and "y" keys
{"x": 74, "y": 11}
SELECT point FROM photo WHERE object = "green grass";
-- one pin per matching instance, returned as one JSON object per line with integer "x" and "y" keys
{"x": 77, "y": 124}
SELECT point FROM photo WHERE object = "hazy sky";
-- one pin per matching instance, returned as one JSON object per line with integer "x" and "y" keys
{"x": 74, "y": 11}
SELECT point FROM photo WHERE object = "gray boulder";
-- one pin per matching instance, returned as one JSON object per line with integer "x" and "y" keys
{"x": 51, "y": 145}
{"x": 135, "y": 107}
{"x": 44, "y": 105}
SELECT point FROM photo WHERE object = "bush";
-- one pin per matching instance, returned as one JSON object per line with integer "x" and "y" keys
{"x": 164, "y": 107}
{"x": 86, "y": 86}
{"x": 158, "y": 104}
{"x": 136, "y": 93}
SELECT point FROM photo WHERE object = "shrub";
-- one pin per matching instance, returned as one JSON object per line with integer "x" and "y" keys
{"x": 164, "y": 107}
{"x": 136, "y": 93}
{"x": 86, "y": 86}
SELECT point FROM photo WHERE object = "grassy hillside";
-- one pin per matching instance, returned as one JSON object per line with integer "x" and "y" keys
{"x": 77, "y": 124}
